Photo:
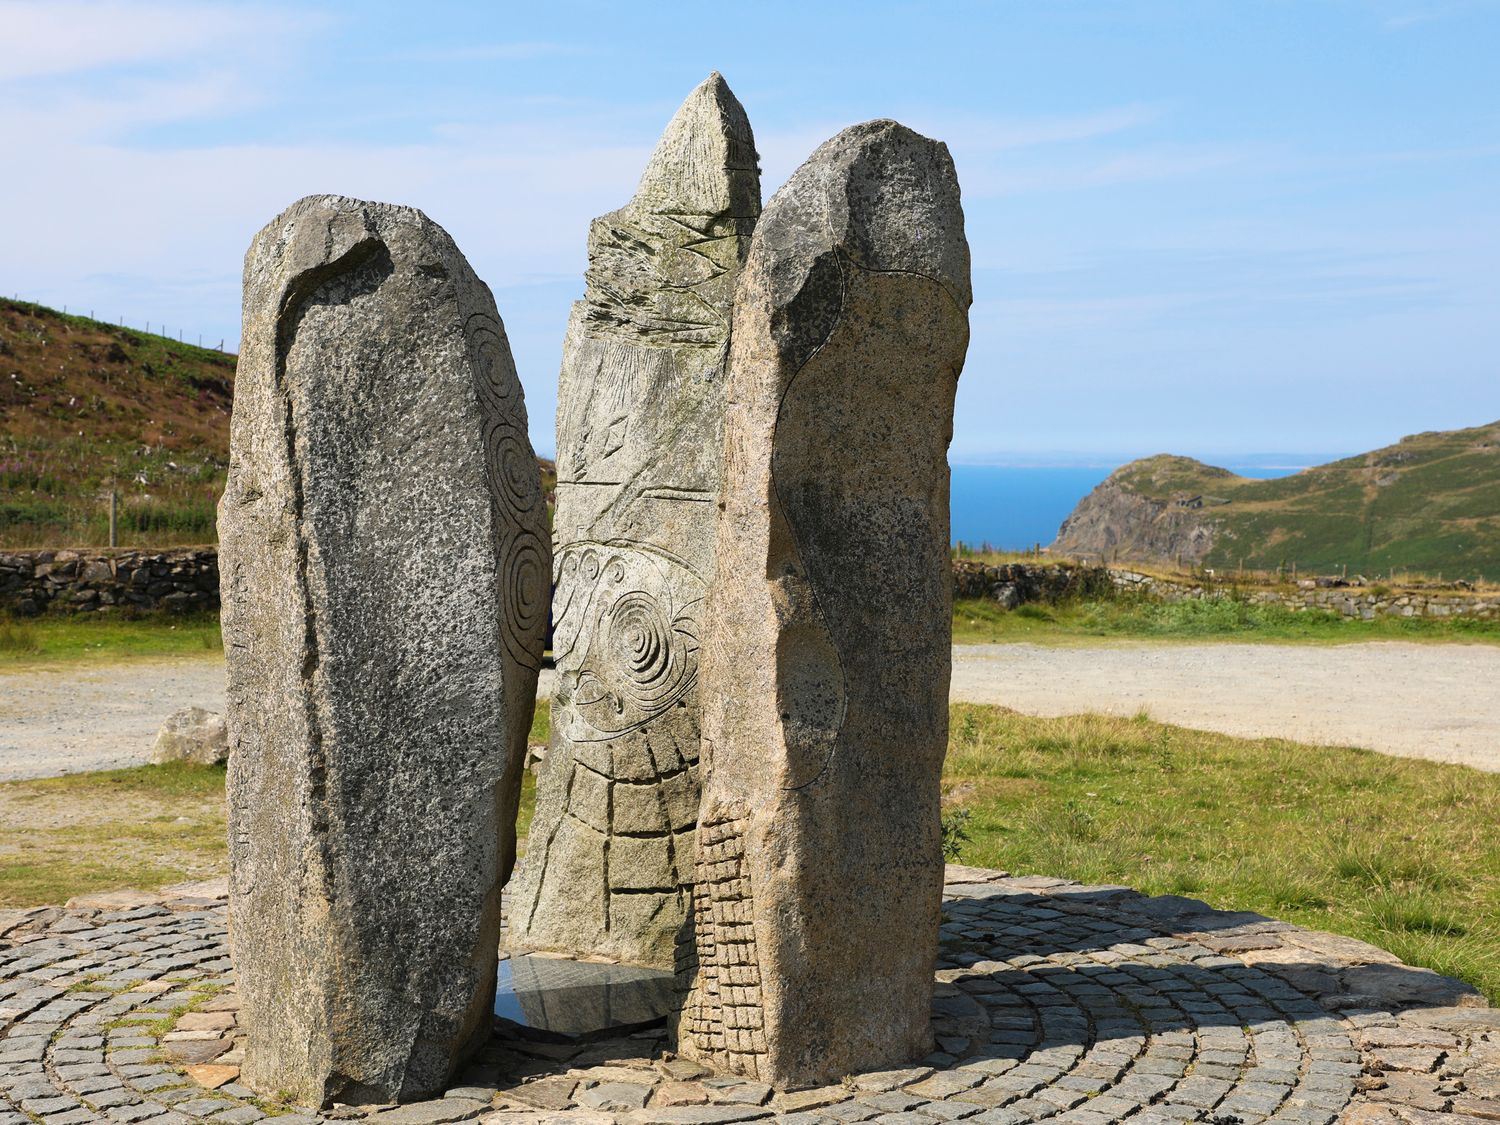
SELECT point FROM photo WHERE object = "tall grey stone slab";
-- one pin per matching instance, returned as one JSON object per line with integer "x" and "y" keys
{"x": 384, "y": 567}
{"x": 639, "y": 434}
{"x": 826, "y": 657}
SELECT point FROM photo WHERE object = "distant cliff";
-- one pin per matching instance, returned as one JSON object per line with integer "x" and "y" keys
{"x": 1120, "y": 520}
{"x": 1429, "y": 503}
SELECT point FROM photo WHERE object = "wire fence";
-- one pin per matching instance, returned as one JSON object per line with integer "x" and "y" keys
{"x": 162, "y": 330}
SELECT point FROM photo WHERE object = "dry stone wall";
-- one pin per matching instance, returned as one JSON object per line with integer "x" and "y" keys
{"x": 184, "y": 579}
{"x": 1332, "y": 595}
{"x": 187, "y": 578}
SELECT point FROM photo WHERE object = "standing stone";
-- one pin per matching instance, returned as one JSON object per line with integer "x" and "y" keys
{"x": 384, "y": 569}
{"x": 639, "y": 435}
{"x": 825, "y": 667}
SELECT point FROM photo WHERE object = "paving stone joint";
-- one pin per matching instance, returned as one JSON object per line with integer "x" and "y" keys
{"x": 1056, "y": 1001}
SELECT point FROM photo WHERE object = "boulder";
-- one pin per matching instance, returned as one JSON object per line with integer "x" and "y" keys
{"x": 192, "y": 735}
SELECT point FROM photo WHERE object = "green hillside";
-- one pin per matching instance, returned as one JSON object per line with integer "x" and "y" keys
{"x": 87, "y": 407}
{"x": 1429, "y": 504}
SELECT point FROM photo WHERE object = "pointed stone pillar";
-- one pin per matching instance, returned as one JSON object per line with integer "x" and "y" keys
{"x": 826, "y": 656}
{"x": 639, "y": 434}
{"x": 384, "y": 570}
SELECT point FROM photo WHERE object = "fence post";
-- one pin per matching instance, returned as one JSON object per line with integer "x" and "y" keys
{"x": 114, "y": 505}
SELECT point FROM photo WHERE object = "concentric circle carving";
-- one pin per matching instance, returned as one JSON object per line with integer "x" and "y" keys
{"x": 511, "y": 464}
{"x": 525, "y": 596}
{"x": 494, "y": 371}
{"x": 625, "y": 637}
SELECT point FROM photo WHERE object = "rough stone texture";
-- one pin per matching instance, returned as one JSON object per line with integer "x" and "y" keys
{"x": 825, "y": 669}
{"x": 385, "y": 581}
{"x": 192, "y": 734}
{"x": 1054, "y": 1002}
{"x": 639, "y": 426}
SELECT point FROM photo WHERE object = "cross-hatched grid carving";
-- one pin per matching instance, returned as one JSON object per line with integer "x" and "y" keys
{"x": 727, "y": 1020}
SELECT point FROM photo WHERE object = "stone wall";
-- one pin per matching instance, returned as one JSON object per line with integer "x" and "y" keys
{"x": 1347, "y": 597}
{"x": 184, "y": 578}
{"x": 1014, "y": 584}
{"x": 176, "y": 580}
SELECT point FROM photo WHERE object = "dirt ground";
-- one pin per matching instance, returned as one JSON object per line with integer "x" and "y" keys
{"x": 1440, "y": 702}
{"x": 1424, "y": 701}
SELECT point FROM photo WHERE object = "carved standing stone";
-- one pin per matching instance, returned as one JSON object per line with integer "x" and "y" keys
{"x": 384, "y": 569}
{"x": 826, "y": 658}
{"x": 639, "y": 438}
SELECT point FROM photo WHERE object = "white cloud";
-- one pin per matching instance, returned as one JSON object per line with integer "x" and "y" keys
{"x": 55, "y": 37}
{"x": 493, "y": 52}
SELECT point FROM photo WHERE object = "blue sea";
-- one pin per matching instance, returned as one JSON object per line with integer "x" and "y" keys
{"x": 1013, "y": 509}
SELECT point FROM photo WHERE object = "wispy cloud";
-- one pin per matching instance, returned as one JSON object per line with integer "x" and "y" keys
{"x": 47, "y": 38}
{"x": 1108, "y": 168}
{"x": 1407, "y": 17}
{"x": 492, "y": 52}
{"x": 983, "y": 145}
{"x": 1000, "y": 134}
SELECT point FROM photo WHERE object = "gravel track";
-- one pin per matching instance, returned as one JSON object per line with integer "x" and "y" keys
{"x": 1440, "y": 702}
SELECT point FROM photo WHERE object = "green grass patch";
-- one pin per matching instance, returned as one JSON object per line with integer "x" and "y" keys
{"x": 1227, "y": 618}
{"x": 60, "y": 637}
{"x": 1396, "y": 852}
{"x": 145, "y": 827}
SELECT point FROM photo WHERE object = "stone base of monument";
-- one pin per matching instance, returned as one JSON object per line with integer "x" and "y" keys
{"x": 1075, "y": 1004}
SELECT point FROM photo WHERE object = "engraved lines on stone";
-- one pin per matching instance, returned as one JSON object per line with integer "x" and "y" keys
{"x": 661, "y": 860}
{"x": 515, "y": 488}
{"x": 625, "y": 637}
{"x": 727, "y": 1020}
{"x": 629, "y": 312}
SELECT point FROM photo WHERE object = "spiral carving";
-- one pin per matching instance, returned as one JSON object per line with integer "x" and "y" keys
{"x": 638, "y": 636}
{"x": 515, "y": 484}
{"x": 625, "y": 637}
{"x": 511, "y": 465}
{"x": 525, "y": 589}
{"x": 494, "y": 371}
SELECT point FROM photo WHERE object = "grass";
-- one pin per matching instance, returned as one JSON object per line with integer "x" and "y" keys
{"x": 1397, "y": 852}
{"x": 89, "y": 408}
{"x": 62, "y": 637}
{"x": 145, "y": 828}
{"x": 56, "y": 638}
{"x": 1226, "y": 618}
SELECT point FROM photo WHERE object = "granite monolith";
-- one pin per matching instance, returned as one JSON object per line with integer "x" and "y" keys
{"x": 384, "y": 570}
{"x": 639, "y": 435}
{"x": 826, "y": 640}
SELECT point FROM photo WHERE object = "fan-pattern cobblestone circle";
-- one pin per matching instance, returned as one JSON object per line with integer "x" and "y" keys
{"x": 1055, "y": 1002}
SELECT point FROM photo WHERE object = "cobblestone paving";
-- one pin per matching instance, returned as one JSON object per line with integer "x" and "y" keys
{"x": 1055, "y": 1001}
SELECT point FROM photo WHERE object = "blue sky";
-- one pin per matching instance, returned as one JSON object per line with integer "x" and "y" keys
{"x": 1211, "y": 228}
